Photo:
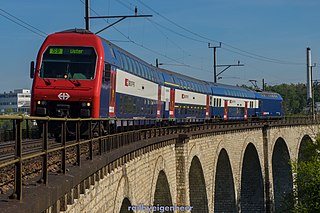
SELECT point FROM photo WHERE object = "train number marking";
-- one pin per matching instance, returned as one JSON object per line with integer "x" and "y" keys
{"x": 63, "y": 96}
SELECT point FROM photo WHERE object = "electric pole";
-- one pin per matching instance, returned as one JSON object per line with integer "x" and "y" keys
{"x": 87, "y": 15}
{"x": 214, "y": 60}
{"x": 309, "y": 81}
{"x": 120, "y": 18}
{"x": 227, "y": 66}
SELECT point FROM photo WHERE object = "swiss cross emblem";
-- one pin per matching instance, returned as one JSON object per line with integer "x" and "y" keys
{"x": 63, "y": 96}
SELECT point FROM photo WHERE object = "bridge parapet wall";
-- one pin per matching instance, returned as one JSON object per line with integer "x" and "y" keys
{"x": 243, "y": 150}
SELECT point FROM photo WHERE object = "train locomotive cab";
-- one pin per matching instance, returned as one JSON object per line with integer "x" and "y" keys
{"x": 269, "y": 106}
{"x": 67, "y": 76}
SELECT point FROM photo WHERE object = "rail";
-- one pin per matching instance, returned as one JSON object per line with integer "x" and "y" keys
{"x": 107, "y": 135}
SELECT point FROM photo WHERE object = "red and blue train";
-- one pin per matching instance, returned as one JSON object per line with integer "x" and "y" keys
{"x": 79, "y": 74}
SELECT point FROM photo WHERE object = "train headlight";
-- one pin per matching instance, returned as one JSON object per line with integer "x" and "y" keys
{"x": 86, "y": 104}
{"x": 42, "y": 103}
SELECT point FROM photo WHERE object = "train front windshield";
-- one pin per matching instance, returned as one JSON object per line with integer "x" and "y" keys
{"x": 69, "y": 63}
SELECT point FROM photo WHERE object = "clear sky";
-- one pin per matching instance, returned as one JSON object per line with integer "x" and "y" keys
{"x": 269, "y": 37}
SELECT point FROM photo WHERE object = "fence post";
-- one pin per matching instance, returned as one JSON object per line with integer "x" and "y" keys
{"x": 45, "y": 156}
{"x": 90, "y": 142}
{"x": 17, "y": 194}
{"x": 78, "y": 124}
{"x": 63, "y": 151}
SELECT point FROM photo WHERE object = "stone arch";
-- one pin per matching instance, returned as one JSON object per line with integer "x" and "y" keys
{"x": 162, "y": 195}
{"x": 122, "y": 193}
{"x": 224, "y": 192}
{"x": 281, "y": 174}
{"x": 158, "y": 167}
{"x": 197, "y": 187}
{"x": 252, "y": 187}
{"x": 125, "y": 206}
{"x": 303, "y": 152}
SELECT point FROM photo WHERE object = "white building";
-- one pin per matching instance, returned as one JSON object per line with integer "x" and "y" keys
{"x": 16, "y": 101}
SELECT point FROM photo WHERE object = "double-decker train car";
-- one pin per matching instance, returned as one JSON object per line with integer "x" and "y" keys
{"x": 269, "y": 105}
{"x": 232, "y": 103}
{"x": 79, "y": 74}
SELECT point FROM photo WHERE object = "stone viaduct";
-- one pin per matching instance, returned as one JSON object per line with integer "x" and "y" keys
{"x": 230, "y": 171}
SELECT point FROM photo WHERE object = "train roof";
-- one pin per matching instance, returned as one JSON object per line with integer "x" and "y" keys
{"x": 268, "y": 95}
{"x": 233, "y": 91}
{"x": 186, "y": 82}
{"x": 177, "y": 79}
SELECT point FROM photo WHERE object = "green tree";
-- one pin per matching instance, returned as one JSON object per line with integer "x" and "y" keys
{"x": 306, "y": 193}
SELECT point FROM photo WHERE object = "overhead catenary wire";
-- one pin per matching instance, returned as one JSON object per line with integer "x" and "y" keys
{"x": 145, "y": 47}
{"x": 209, "y": 40}
{"x": 22, "y": 23}
{"x": 157, "y": 26}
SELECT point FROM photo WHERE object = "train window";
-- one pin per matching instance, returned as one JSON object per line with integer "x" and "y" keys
{"x": 125, "y": 63}
{"x": 134, "y": 105}
{"x": 107, "y": 70}
{"x": 145, "y": 104}
{"x": 155, "y": 107}
{"x": 130, "y": 64}
{"x": 129, "y": 104}
{"x": 69, "y": 62}
{"x": 146, "y": 74}
{"x": 214, "y": 102}
{"x": 121, "y": 61}
{"x": 160, "y": 77}
{"x": 151, "y": 106}
{"x": 112, "y": 52}
{"x": 189, "y": 85}
{"x": 125, "y": 101}
{"x": 140, "y": 69}
{"x": 151, "y": 74}
{"x": 120, "y": 104}
{"x": 143, "y": 72}
{"x": 155, "y": 75}
{"x": 134, "y": 67}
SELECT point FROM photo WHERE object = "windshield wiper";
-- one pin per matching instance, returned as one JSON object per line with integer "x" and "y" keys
{"x": 74, "y": 82}
{"x": 47, "y": 81}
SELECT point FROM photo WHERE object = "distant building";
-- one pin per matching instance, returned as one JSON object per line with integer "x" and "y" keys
{"x": 16, "y": 101}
